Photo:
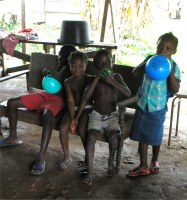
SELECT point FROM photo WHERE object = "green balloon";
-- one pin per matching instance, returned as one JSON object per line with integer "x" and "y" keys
{"x": 105, "y": 73}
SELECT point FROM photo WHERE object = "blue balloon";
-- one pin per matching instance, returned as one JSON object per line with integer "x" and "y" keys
{"x": 158, "y": 68}
{"x": 51, "y": 85}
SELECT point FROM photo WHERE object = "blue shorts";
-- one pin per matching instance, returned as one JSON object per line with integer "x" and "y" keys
{"x": 148, "y": 127}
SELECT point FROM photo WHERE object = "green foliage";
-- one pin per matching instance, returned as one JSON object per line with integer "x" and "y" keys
{"x": 9, "y": 22}
{"x": 133, "y": 51}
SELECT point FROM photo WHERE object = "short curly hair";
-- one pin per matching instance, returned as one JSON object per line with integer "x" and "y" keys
{"x": 100, "y": 53}
{"x": 169, "y": 37}
{"x": 77, "y": 55}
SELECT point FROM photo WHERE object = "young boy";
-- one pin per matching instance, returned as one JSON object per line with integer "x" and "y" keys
{"x": 50, "y": 104}
{"x": 74, "y": 86}
{"x": 104, "y": 117}
{"x": 148, "y": 123}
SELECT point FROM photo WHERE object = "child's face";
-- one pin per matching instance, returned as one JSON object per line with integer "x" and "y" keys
{"x": 104, "y": 62}
{"x": 166, "y": 48}
{"x": 77, "y": 67}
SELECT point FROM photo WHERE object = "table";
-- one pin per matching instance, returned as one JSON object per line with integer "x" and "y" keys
{"x": 176, "y": 102}
{"x": 47, "y": 46}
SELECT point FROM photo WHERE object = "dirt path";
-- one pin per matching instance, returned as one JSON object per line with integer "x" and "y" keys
{"x": 17, "y": 183}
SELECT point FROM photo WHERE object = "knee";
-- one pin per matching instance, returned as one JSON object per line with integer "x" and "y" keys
{"x": 47, "y": 116}
{"x": 81, "y": 131}
{"x": 11, "y": 104}
{"x": 91, "y": 137}
{"x": 113, "y": 139}
{"x": 64, "y": 128}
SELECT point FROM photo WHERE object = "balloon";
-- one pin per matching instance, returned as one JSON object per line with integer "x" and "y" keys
{"x": 158, "y": 68}
{"x": 51, "y": 85}
{"x": 105, "y": 72}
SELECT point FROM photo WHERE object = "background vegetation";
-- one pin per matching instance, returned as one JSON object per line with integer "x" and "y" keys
{"x": 138, "y": 25}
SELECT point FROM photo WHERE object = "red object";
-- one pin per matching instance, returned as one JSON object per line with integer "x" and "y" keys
{"x": 26, "y": 30}
{"x": 41, "y": 100}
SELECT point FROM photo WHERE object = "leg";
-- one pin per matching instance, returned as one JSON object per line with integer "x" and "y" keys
{"x": 63, "y": 135}
{"x": 1, "y": 133}
{"x": 142, "y": 169}
{"x": 112, "y": 138}
{"x": 143, "y": 155}
{"x": 82, "y": 127}
{"x": 154, "y": 166}
{"x": 12, "y": 106}
{"x": 39, "y": 166}
{"x": 156, "y": 150}
{"x": 118, "y": 153}
{"x": 90, "y": 148}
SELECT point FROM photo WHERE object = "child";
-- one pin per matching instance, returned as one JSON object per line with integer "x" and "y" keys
{"x": 148, "y": 123}
{"x": 50, "y": 104}
{"x": 104, "y": 117}
{"x": 74, "y": 86}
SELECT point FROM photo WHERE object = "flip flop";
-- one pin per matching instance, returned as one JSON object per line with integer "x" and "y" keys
{"x": 4, "y": 144}
{"x": 38, "y": 169}
{"x": 154, "y": 167}
{"x": 80, "y": 163}
{"x": 139, "y": 171}
{"x": 64, "y": 164}
{"x": 83, "y": 170}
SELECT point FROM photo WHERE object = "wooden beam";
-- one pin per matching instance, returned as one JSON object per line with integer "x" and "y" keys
{"x": 13, "y": 75}
{"x": 18, "y": 68}
{"x": 23, "y": 22}
{"x": 113, "y": 14}
{"x": 103, "y": 27}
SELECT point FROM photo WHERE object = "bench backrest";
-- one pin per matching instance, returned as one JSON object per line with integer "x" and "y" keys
{"x": 39, "y": 61}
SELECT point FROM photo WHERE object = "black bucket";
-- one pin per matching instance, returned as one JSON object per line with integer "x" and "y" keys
{"x": 75, "y": 32}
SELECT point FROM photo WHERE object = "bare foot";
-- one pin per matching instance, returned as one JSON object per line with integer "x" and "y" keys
{"x": 111, "y": 171}
{"x": 111, "y": 168}
{"x": 87, "y": 179}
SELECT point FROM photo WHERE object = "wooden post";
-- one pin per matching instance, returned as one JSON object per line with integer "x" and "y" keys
{"x": 104, "y": 21}
{"x": 23, "y": 22}
{"x": 103, "y": 28}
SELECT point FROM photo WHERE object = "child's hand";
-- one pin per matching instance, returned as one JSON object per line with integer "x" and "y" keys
{"x": 45, "y": 72}
{"x": 72, "y": 127}
{"x": 104, "y": 73}
{"x": 52, "y": 71}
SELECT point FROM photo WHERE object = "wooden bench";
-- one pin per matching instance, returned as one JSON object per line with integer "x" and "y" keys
{"x": 40, "y": 61}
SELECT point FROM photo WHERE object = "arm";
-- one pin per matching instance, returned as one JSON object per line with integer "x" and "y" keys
{"x": 61, "y": 75}
{"x": 70, "y": 100}
{"x": 140, "y": 69}
{"x": 173, "y": 82}
{"x": 86, "y": 96}
{"x": 117, "y": 82}
{"x": 55, "y": 74}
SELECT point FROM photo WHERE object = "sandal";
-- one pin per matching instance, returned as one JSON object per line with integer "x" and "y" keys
{"x": 37, "y": 169}
{"x": 139, "y": 171}
{"x": 82, "y": 167}
{"x": 81, "y": 163}
{"x": 154, "y": 167}
{"x": 83, "y": 170}
{"x": 64, "y": 164}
